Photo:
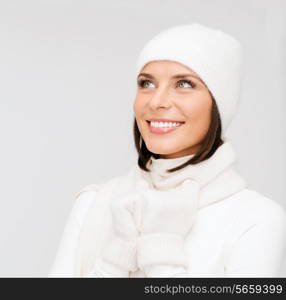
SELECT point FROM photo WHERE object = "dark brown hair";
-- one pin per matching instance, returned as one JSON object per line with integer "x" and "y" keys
{"x": 209, "y": 145}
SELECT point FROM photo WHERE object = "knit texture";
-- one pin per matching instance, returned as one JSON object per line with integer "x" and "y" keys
{"x": 121, "y": 253}
{"x": 161, "y": 240}
{"x": 234, "y": 223}
{"x": 164, "y": 249}
{"x": 209, "y": 175}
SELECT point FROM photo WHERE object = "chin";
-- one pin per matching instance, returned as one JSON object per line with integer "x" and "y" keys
{"x": 162, "y": 150}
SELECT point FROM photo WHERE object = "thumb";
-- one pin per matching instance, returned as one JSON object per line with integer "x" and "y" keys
{"x": 122, "y": 212}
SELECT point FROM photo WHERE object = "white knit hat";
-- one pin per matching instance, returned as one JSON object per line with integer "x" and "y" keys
{"x": 214, "y": 55}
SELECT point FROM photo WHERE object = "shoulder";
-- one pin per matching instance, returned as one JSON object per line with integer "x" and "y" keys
{"x": 83, "y": 200}
{"x": 253, "y": 208}
{"x": 256, "y": 221}
{"x": 260, "y": 205}
{"x": 87, "y": 196}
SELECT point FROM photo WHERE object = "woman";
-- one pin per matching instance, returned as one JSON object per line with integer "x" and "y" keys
{"x": 183, "y": 210}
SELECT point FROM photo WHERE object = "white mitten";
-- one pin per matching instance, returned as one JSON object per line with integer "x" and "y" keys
{"x": 166, "y": 218}
{"x": 119, "y": 257}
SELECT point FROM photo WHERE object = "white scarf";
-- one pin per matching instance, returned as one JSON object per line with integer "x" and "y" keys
{"x": 216, "y": 176}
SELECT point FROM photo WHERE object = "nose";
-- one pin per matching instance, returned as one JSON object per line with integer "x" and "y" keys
{"x": 160, "y": 99}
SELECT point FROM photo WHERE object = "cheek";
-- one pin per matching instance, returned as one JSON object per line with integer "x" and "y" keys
{"x": 138, "y": 106}
{"x": 198, "y": 109}
{"x": 139, "y": 112}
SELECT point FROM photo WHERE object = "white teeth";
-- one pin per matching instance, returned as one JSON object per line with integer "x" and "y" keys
{"x": 164, "y": 124}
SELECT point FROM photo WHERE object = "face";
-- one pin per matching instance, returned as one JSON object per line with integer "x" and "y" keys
{"x": 178, "y": 102}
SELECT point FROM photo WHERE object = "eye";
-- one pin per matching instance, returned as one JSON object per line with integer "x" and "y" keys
{"x": 188, "y": 82}
{"x": 142, "y": 82}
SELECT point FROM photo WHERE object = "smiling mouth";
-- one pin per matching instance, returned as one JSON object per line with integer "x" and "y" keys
{"x": 163, "y": 127}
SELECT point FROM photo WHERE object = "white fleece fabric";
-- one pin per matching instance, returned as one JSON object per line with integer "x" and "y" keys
{"x": 235, "y": 232}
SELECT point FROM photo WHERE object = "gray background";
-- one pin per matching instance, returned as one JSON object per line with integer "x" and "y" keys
{"x": 67, "y": 87}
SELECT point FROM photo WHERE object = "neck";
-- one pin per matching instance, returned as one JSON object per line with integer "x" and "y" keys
{"x": 162, "y": 164}
{"x": 202, "y": 172}
{"x": 217, "y": 176}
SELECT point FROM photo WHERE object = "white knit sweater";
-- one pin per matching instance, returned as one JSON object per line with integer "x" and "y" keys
{"x": 237, "y": 231}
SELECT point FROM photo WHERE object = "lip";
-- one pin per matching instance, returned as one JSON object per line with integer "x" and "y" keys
{"x": 162, "y": 130}
{"x": 164, "y": 120}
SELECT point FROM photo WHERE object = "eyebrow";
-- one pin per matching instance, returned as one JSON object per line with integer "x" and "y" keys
{"x": 175, "y": 76}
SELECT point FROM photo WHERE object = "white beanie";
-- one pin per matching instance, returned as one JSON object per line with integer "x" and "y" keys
{"x": 214, "y": 55}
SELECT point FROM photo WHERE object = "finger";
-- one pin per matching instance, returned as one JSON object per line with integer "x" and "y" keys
{"x": 122, "y": 217}
{"x": 138, "y": 209}
{"x": 123, "y": 203}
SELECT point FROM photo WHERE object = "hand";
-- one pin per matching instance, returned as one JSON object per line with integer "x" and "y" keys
{"x": 122, "y": 210}
{"x": 121, "y": 249}
{"x": 170, "y": 211}
{"x": 166, "y": 218}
